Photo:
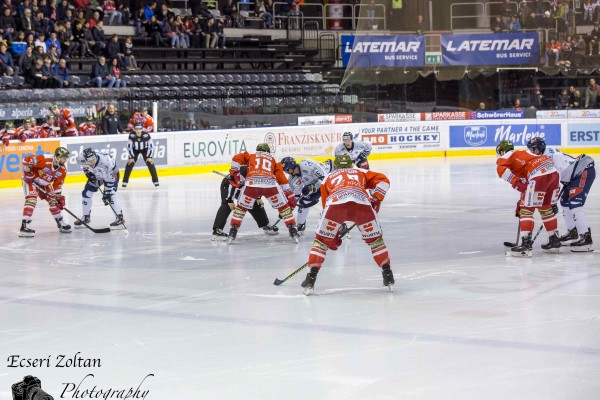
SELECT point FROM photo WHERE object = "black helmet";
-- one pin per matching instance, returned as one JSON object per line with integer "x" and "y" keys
{"x": 288, "y": 163}
{"x": 537, "y": 143}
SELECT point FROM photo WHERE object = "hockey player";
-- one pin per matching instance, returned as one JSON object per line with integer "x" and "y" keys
{"x": 356, "y": 149}
{"x": 305, "y": 180}
{"x": 140, "y": 143}
{"x": 7, "y": 133}
{"x": 49, "y": 128}
{"x": 43, "y": 177}
{"x": 142, "y": 117}
{"x": 577, "y": 175}
{"x": 230, "y": 192}
{"x": 27, "y": 131}
{"x": 100, "y": 169}
{"x": 537, "y": 180}
{"x": 345, "y": 198}
{"x": 64, "y": 121}
{"x": 265, "y": 178}
{"x": 88, "y": 128}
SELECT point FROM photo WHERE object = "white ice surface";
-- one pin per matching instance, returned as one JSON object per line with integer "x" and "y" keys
{"x": 464, "y": 323}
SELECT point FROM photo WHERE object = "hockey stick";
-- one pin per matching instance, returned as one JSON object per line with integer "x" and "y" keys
{"x": 112, "y": 208}
{"x": 101, "y": 230}
{"x": 280, "y": 281}
{"x": 220, "y": 173}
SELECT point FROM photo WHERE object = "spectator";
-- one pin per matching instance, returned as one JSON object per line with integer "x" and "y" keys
{"x": 115, "y": 72}
{"x": 19, "y": 45}
{"x": 68, "y": 43}
{"x": 571, "y": 95}
{"x": 162, "y": 14}
{"x": 553, "y": 48}
{"x": 210, "y": 33}
{"x": 567, "y": 49}
{"x": 498, "y": 26}
{"x": 110, "y": 9}
{"x": 588, "y": 11}
{"x": 53, "y": 55}
{"x": 563, "y": 99}
{"x": 591, "y": 93}
{"x": 538, "y": 101}
{"x": 113, "y": 50}
{"x": 154, "y": 30}
{"x": 35, "y": 75}
{"x": 101, "y": 76}
{"x": 517, "y": 105}
{"x": 53, "y": 40}
{"x": 514, "y": 25}
{"x": 420, "y": 27}
{"x": 110, "y": 121}
{"x": 23, "y": 7}
{"x": 128, "y": 57}
{"x": 481, "y": 107}
{"x": 149, "y": 10}
{"x": 268, "y": 14}
{"x": 82, "y": 34}
{"x": 61, "y": 11}
{"x": 69, "y": 17}
{"x": 8, "y": 26}
{"x": 547, "y": 21}
{"x": 191, "y": 28}
{"x": 41, "y": 24}
{"x": 30, "y": 40}
{"x": 576, "y": 101}
{"x": 27, "y": 22}
{"x": 61, "y": 74}
{"x": 532, "y": 21}
{"x": 94, "y": 20}
{"x": 181, "y": 31}
{"x": 139, "y": 21}
{"x": 41, "y": 42}
{"x": 229, "y": 10}
{"x": 26, "y": 60}
{"x": 99, "y": 38}
{"x": 81, "y": 17}
{"x": 81, "y": 5}
{"x": 48, "y": 73}
{"x": 7, "y": 65}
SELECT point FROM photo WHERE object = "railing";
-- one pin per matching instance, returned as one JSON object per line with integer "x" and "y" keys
{"x": 376, "y": 7}
{"x": 324, "y": 17}
{"x": 483, "y": 12}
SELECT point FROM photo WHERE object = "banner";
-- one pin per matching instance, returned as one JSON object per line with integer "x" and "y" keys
{"x": 583, "y": 113}
{"x": 552, "y": 114}
{"x": 118, "y": 150}
{"x": 508, "y": 114}
{"x": 405, "y": 137}
{"x": 387, "y": 51}
{"x": 491, "y": 135}
{"x": 22, "y": 112}
{"x": 490, "y": 49}
{"x": 12, "y": 155}
{"x": 347, "y": 43}
{"x": 316, "y": 120}
{"x": 584, "y": 135}
{"x": 399, "y": 117}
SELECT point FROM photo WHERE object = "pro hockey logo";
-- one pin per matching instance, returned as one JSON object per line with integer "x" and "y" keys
{"x": 475, "y": 135}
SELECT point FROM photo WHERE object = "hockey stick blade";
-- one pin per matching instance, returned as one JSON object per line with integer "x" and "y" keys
{"x": 509, "y": 244}
{"x": 278, "y": 282}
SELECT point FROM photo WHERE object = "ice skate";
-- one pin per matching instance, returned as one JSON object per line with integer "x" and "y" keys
{"x": 78, "y": 224}
{"x": 309, "y": 282}
{"x": 294, "y": 233}
{"x": 119, "y": 223}
{"x": 524, "y": 250}
{"x": 344, "y": 231}
{"x": 388, "y": 276}
{"x": 569, "y": 236}
{"x": 584, "y": 244}
{"x": 156, "y": 184}
{"x": 26, "y": 231}
{"x": 233, "y": 232}
{"x": 218, "y": 234}
{"x": 301, "y": 228}
{"x": 62, "y": 227}
{"x": 553, "y": 245}
{"x": 271, "y": 230}
{"x": 124, "y": 185}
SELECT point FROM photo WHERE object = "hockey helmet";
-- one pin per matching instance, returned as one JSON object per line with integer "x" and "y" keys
{"x": 138, "y": 125}
{"x": 537, "y": 143}
{"x": 347, "y": 136}
{"x": 89, "y": 118}
{"x": 53, "y": 107}
{"x": 504, "y": 147}
{"x": 9, "y": 125}
{"x": 263, "y": 147}
{"x": 342, "y": 161}
{"x": 62, "y": 152}
{"x": 89, "y": 156}
{"x": 288, "y": 163}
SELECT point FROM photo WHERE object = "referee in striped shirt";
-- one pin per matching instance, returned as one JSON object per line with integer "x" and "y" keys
{"x": 140, "y": 142}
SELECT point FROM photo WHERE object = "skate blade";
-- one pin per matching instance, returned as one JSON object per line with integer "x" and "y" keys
{"x": 78, "y": 226}
{"x": 391, "y": 288}
{"x": 271, "y": 233}
{"x": 230, "y": 240}
{"x": 65, "y": 231}
{"x": 295, "y": 239}
{"x": 552, "y": 251}
{"x": 308, "y": 291}
{"x": 26, "y": 235}
{"x": 582, "y": 249}
{"x": 522, "y": 254}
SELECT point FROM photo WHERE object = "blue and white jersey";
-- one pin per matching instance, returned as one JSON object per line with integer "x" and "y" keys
{"x": 568, "y": 167}
{"x": 359, "y": 148}
{"x": 106, "y": 169}
{"x": 311, "y": 172}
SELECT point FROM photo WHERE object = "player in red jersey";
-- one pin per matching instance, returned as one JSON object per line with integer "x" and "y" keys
{"x": 27, "y": 131}
{"x": 49, "y": 129}
{"x": 345, "y": 198}
{"x": 43, "y": 177}
{"x": 537, "y": 179}
{"x": 88, "y": 128}
{"x": 143, "y": 118}
{"x": 7, "y": 133}
{"x": 64, "y": 121}
{"x": 264, "y": 178}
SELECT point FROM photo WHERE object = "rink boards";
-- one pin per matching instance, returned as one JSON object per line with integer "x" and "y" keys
{"x": 190, "y": 152}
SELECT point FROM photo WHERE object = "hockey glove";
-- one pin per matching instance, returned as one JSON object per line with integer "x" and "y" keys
{"x": 29, "y": 178}
{"x": 107, "y": 197}
{"x": 520, "y": 185}
{"x": 235, "y": 176}
{"x": 335, "y": 243}
{"x": 291, "y": 199}
{"x": 555, "y": 209}
{"x": 5, "y": 140}
{"x": 91, "y": 177}
{"x": 308, "y": 190}
{"x": 375, "y": 203}
{"x": 61, "y": 201}
{"x": 518, "y": 209}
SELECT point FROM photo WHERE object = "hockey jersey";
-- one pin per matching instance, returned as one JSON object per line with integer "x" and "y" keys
{"x": 141, "y": 143}
{"x": 351, "y": 185}
{"x": 23, "y": 133}
{"x": 86, "y": 129}
{"x": 146, "y": 121}
{"x": 42, "y": 166}
{"x": 359, "y": 148}
{"x": 311, "y": 173}
{"x": 105, "y": 170}
{"x": 66, "y": 123}
{"x": 263, "y": 170}
{"x": 517, "y": 164}
{"x": 568, "y": 166}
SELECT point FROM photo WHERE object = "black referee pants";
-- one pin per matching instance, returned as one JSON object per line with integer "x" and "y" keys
{"x": 151, "y": 167}
{"x": 258, "y": 212}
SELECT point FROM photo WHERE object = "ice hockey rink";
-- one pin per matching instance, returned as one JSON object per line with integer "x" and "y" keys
{"x": 167, "y": 310}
